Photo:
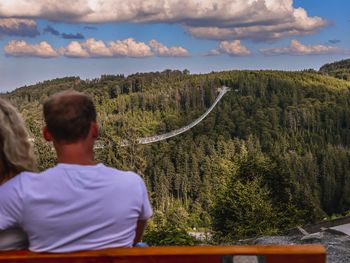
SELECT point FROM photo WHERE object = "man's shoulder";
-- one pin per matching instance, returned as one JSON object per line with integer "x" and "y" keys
{"x": 15, "y": 186}
{"x": 121, "y": 173}
{"x": 26, "y": 179}
{"x": 18, "y": 179}
{"x": 30, "y": 176}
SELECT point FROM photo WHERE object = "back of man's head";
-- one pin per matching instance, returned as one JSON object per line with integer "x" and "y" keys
{"x": 68, "y": 116}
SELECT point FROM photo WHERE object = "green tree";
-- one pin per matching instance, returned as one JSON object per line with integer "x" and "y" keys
{"x": 243, "y": 210}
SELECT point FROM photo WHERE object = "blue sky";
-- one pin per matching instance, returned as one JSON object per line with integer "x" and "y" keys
{"x": 45, "y": 39}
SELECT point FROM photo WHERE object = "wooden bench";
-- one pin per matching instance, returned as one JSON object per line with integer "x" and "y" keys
{"x": 195, "y": 254}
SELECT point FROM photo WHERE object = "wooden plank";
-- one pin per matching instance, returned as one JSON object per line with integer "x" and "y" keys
{"x": 295, "y": 258}
{"x": 195, "y": 254}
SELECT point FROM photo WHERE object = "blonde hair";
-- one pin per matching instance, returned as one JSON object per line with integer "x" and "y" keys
{"x": 16, "y": 152}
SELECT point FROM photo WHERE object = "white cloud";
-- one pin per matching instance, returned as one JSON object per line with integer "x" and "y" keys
{"x": 92, "y": 48}
{"x": 163, "y": 51}
{"x": 213, "y": 19}
{"x": 130, "y": 48}
{"x": 213, "y": 52}
{"x": 89, "y": 48}
{"x": 22, "y": 49}
{"x": 232, "y": 48}
{"x": 297, "y": 48}
{"x": 18, "y": 27}
{"x": 261, "y": 21}
{"x": 74, "y": 49}
{"x": 97, "y": 48}
{"x": 58, "y": 10}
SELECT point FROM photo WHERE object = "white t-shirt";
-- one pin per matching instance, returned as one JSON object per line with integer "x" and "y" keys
{"x": 75, "y": 207}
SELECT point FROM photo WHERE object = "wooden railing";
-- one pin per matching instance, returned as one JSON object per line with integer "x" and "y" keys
{"x": 196, "y": 254}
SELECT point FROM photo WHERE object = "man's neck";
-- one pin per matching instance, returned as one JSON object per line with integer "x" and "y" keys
{"x": 75, "y": 153}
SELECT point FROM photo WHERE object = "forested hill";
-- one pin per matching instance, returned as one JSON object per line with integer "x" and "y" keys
{"x": 272, "y": 154}
{"x": 339, "y": 69}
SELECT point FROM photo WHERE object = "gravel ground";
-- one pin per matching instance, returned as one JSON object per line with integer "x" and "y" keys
{"x": 338, "y": 246}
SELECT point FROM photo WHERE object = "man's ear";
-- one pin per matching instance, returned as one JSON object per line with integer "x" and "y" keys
{"x": 94, "y": 130}
{"x": 47, "y": 135}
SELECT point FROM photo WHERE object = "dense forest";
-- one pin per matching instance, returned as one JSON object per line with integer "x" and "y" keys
{"x": 274, "y": 153}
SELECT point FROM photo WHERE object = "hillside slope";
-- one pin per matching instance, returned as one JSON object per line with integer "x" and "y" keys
{"x": 339, "y": 69}
{"x": 287, "y": 133}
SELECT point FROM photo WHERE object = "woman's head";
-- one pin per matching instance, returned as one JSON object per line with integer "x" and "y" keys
{"x": 16, "y": 152}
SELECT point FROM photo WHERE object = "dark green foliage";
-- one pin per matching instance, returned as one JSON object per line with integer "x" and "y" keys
{"x": 169, "y": 228}
{"x": 260, "y": 199}
{"x": 243, "y": 210}
{"x": 169, "y": 236}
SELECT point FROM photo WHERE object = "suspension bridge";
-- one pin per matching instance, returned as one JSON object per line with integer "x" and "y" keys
{"x": 164, "y": 136}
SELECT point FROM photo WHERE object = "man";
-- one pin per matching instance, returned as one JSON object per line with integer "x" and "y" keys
{"x": 78, "y": 204}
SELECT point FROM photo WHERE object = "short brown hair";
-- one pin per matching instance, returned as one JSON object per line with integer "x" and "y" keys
{"x": 68, "y": 115}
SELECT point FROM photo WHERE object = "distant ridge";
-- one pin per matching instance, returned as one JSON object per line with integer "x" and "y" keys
{"x": 339, "y": 69}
